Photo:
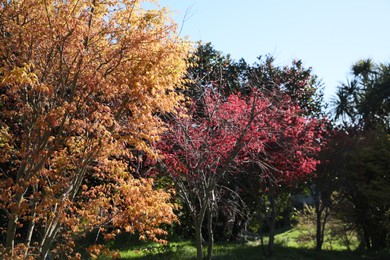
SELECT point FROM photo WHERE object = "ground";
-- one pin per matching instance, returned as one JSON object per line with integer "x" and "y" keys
{"x": 287, "y": 247}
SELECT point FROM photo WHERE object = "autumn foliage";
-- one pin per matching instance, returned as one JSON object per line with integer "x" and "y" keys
{"x": 218, "y": 136}
{"x": 82, "y": 83}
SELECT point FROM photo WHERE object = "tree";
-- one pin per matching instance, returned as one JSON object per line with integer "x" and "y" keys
{"x": 82, "y": 85}
{"x": 199, "y": 151}
{"x": 298, "y": 82}
{"x": 364, "y": 100}
{"x": 305, "y": 91}
{"x": 324, "y": 182}
{"x": 363, "y": 148}
{"x": 359, "y": 167}
{"x": 212, "y": 69}
{"x": 288, "y": 158}
{"x": 368, "y": 189}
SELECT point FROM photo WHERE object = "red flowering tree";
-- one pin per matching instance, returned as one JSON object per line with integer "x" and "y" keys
{"x": 219, "y": 134}
{"x": 288, "y": 158}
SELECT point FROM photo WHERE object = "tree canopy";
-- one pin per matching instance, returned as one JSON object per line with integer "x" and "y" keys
{"x": 233, "y": 122}
{"x": 82, "y": 84}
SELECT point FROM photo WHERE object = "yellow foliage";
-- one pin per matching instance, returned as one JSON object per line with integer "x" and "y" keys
{"x": 5, "y": 144}
{"x": 81, "y": 86}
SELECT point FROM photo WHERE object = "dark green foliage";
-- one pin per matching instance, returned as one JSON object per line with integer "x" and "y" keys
{"x": 366, "y": 178}
{"x": 364, "y": 100}
{"x": 357, "y": 157}
{"x": 295, "y": 80}
{"x": 354, "y": 182}
{"x": 212, "y": 69}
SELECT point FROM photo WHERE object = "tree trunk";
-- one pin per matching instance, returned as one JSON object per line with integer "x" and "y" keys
{"x": 319, "y": 230}
{"x": 210, "y": 232}
{"x": 198, "y": 240}
{"x": 238, "y": 226}
{"x": 11, "y": 230}
{"x": 30, "y": 230}
{"x": 262, "y": 239}
{"x": 319, "y": 233}
{"x": 13, "y": 222}
{"x": 272, "y": 222}
{"x": 48, "y": 240}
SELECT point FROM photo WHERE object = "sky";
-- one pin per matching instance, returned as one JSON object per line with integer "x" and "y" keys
{"x": 327, "y": 35}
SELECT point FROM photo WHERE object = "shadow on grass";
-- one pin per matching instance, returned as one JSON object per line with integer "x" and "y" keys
{"x": 282, "y": 252}
{"x": 131, "y": 248}
{"x": 228, "y": 251}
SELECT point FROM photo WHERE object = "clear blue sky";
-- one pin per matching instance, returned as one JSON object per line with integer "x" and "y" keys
{"x": 327, "y": 35}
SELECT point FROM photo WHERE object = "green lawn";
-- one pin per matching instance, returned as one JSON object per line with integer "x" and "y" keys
{"x": 295, "y": 238}
{"x": 186, "y": 250}
{"x": 287, "y": 247}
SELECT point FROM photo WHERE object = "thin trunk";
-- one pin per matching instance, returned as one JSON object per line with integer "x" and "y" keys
{"x": 326, "y": 211}
{"x": 237, "y": 227}
{"x": 30, "y": 230}
{"x": 199, "y": 218}
{"x": 50, "y": 232}
{"x": 210, "y": 233}
{"x": 272, "y": 222}
{"x": 52, "y": 229}
{"x": 11, "y": 230}
{"x": 13, "y": 222}
{"x": 198, "y": 240}
{"x": 262, "y": 239}
{"x": 45, "y": 244}
{"x": 319, "y": 232}
{"x": 319, "y": 229}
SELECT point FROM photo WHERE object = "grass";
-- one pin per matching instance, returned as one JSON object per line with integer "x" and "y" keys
{"x": 293, "y": 238}
{"x": 229, "y": 251}
{"x": 290, "y": 243}
{"x": 287, "y": 247}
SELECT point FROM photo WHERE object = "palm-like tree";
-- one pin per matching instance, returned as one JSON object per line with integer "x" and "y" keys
{"x": 345, "y": 103}
{"x": 364, "y": 100}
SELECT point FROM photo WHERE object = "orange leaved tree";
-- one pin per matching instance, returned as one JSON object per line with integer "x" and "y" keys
{"x": 82, "y": 83}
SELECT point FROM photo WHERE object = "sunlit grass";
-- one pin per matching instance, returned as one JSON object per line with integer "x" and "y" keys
{"x": 187, "y": 250}
{"x": 248, "y": 251}
{"x": 288, "y": 246}
{"x": 174, "y": 250}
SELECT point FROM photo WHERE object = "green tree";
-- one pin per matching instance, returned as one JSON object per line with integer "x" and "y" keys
{"x": 212, "y": 69}
{"x": 364, "y": 172}
{"x": 362, "y": 145}
{"x": 364, "y": 101}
